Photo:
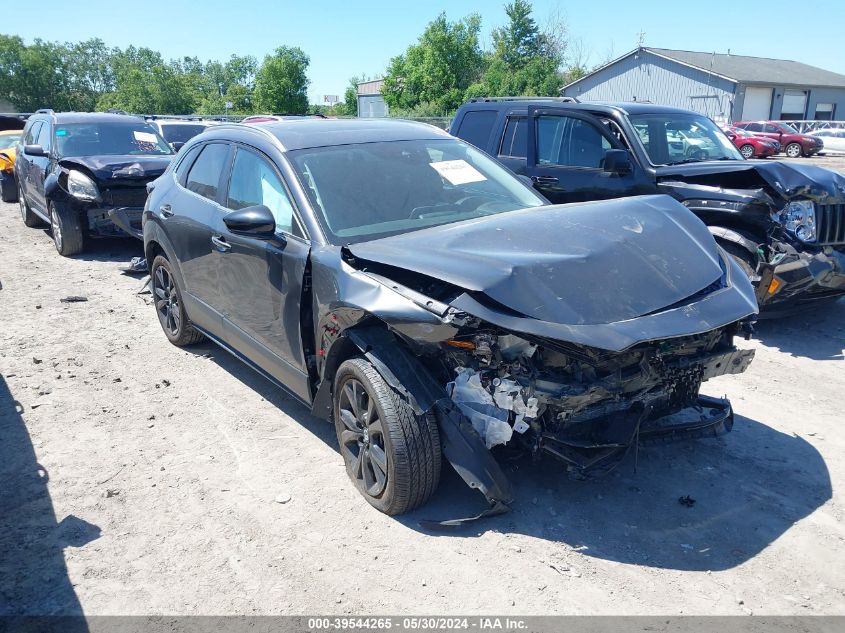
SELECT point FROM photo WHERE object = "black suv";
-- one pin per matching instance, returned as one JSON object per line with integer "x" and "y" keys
{"x": 784, "y": 223}
{"x": 401, "y": 283}
{"x": 86, "y": 174}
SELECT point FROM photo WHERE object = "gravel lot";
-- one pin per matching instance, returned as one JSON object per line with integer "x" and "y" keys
{"x": 138, "y": 478}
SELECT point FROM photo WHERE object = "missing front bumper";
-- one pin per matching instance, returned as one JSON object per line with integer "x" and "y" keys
{"x": 803, "y": 278}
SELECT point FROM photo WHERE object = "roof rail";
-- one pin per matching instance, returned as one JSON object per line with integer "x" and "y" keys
{"x": 552, "y": 99}
{"x": 45, "y": 111}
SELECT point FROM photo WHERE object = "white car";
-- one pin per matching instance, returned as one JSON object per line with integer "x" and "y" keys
{"x": 177, "y": 132}
{"x": 834, "y": 140}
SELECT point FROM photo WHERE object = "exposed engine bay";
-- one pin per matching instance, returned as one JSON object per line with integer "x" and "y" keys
{"x": 583, "y": 405}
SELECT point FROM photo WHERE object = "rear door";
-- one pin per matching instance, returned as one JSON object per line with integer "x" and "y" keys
{"x": 23, "y": 163}
{"x": 261, "y": 278}
{"x": 191, "y": 216}
{"x": 39, "y": 164}
{"x": 566, "y": 151}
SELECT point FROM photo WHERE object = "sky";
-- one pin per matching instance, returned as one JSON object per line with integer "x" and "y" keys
{"x": 345, "y": 39}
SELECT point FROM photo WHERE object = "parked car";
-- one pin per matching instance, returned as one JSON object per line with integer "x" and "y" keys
{"x": 270, "y": 118}
{"x": 86, "y": 174}
{"x": 784, "y": 223}
{"x": 794, "y": 143}
{"x": 404, "y": 285}
{"x": 9, "y": 140}
{"x": 833, "y": 139}
{"x": 177, "y": 132}
{"x": 751, "y": 145}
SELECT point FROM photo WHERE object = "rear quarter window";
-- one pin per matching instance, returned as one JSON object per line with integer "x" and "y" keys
{"x": 476, "y": 127}
{"x": 515, "y": 139}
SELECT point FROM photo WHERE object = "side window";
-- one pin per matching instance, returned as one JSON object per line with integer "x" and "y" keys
{"x": 32, "y": 134}
{"x": 477, "y": 126}
{"x": 44, "y": 135}
{"x": 515, "y": 141}
{"x": 185, "y": 162}
{"x": 754, "y": 127}
{"x": 772, "y": 129}
{"x": 204, "y": 177}
{"x": 254, "y": 182}
{"x": 570, "y": 142}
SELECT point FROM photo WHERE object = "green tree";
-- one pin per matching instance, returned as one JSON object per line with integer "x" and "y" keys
{"x": 281, "y": 84}
{"x": 436, "y": 71}
{"x": 519, "y": 41}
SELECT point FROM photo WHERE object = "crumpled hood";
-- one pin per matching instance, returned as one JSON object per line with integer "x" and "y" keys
{"x": 789, "y": 180}
{"x": 130, "y": 167}
{"x": 577, "y": 264}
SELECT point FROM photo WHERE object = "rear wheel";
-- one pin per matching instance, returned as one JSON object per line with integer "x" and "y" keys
{"x": 169, "y": 307}
{"x": 747, "y": 151}
{"x": 392, "y": 455}
{"x": 66, "y": 228}
{"x": 29, "y": 218}
{"x": 793, "y": 150}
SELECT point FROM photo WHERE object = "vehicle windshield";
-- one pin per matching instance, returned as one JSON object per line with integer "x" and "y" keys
{"x": 672, "y": 139}
{"x": 181, "y": 133}
{"x": 371, "y": 190}
{"x": 109, "y": 139}
{"x": 788, "y": 128}
{"x": 9, "y": 140}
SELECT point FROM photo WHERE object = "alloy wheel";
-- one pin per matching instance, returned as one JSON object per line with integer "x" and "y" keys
{"x": 22, "y": 202}
{"x": 747, "y": 151}
{"x": 793, "y": 151}
{"x": 167, "y": 300}
{"x": 362, "y": 439}
{"x": 56, "y": 228}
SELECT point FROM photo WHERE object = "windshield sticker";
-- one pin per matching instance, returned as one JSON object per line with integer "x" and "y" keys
{"x": 61, "y": 132}
{"x": 458, "y": 172}
{"x": 145, "y": 137}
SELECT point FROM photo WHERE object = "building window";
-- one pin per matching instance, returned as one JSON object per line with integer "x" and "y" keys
{"x": 824, "y": 112}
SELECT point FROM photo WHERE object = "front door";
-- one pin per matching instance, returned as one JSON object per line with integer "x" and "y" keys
{"x": 261, "y": 278}
{"x": 566, "y": 157}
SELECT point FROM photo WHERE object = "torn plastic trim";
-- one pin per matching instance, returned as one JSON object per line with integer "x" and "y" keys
{"x": 462, "y": 446}
{"x": 729, "y": 235}
{"x": 120, "y": 218}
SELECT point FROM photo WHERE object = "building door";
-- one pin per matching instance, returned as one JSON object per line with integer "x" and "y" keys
{"x": 794, "y": 105}
{"x": 757, "y": 105}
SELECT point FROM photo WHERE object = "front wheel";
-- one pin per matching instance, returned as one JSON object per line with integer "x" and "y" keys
{"x": 66, "y": 227}
{"x": 747, "y": 151}
{"x": 793, "y": 150}
{"x": 169, "y": 306}
{"x": 392, "y": 455}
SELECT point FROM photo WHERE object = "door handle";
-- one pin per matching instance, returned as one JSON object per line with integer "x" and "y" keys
{"x": 544, "y": 180}
{"x": 220, "y": 244}
{"x": 166, "y": 211}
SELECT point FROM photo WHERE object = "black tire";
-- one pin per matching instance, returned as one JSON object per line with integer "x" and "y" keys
{"x": 746, "y": 261}
{"x": 8, "y": 188}
{"x": 794, "y": 150}
{"x": 169, "y": 306}
{"x": 66, "y": 229}
{"x": 29, "y": 218}
{"x": 747, "y": 151}
{"x": 406, "y": 444}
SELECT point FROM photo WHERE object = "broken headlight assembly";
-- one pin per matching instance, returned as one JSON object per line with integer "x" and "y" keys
{"x": 81, "y": 186}
{"x": 799, "y": 218}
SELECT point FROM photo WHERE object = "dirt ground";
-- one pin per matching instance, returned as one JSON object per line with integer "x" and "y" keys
{"x": 138, "y": 478}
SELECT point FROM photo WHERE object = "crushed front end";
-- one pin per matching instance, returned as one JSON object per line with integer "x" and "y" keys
{"x": 587, "y": 406}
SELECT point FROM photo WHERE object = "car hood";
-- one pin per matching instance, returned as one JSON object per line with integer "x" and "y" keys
{"x": 787, "y": 180}
{"x": 130, "y": 167}
{"x": 568, "y": 265}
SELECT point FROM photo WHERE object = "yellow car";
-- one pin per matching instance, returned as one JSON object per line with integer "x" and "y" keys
{"x": 8, "y": 187}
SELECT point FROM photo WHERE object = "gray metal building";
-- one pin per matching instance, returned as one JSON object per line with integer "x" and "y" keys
{"x": 370, "y": 102}
{"x": 725, "y": 87}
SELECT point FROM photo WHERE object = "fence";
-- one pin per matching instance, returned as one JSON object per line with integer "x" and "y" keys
{"x": 809, "y": 126}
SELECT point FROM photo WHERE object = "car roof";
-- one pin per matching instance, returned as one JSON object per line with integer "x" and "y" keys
{"x": 624, "y": 107}
{"x": 90, "y": 117}
{"x": 309, "y": 133}
{"x": 180, "y": 122}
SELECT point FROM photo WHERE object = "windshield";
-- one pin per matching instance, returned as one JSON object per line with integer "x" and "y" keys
{"x": 9, "y": 140}
{"x": 181, "y": 133}
{"x": 371, "y": 190}
{"x": 788, "y": 128}
{"x": 672, "y": 139}
{"x": 109, "y": 139}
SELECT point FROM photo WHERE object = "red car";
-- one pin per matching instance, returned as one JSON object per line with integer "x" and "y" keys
{"x": 751, "y": 145}
{"x": 794, "y": 143}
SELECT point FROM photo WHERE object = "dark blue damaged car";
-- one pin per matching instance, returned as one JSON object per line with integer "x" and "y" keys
{"x": 407, "y": 287}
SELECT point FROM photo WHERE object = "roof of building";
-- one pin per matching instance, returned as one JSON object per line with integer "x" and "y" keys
{"x": 745, "y": 69}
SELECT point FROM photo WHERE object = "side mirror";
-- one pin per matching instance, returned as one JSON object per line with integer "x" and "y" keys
{"x": 617, "y": 161}
{"x": 34, "y": 150}
{"x": 177, "y": 145}
{"x": 254, "y": 221}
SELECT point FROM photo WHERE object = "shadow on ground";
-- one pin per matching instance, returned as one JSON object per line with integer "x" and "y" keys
{"x": 108, "y": 249}
{"x": 749, "y": 487}
{"x": 33, "y": 575}
{"x": 818, "y": 333}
